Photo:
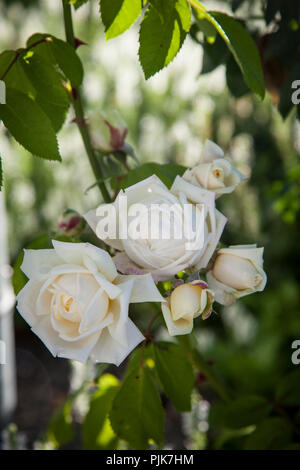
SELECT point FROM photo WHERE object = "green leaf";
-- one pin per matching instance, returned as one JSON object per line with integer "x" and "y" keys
{"x": 234, "y": 79}
{"x": 166, "y": 172}
{"x": 43, "y": 49}
{"x": 207, "y": 29}
{"x": 119, "y": 15}
{"x": 60, "y": 429}
{"x": 246, "y": 411}
{"x": 15, "y": 77}
{"x": 175, "y": 373}
{"x": 68, "y": 60}
{"x": 214, "y": 55}
{"x": 51, "y": 95}
{"x": 97, "y": 433}
{"x": 5, "y": 59}
{"x": 137, "y": 414}
{"x": 288, "y": 389}
{"x": 61, "y": 53}
{"x": 163, "y": 30}
{"x": 270, "y": 434}
{"x": 29, "y": 125}
{"x": 242, "y": 46}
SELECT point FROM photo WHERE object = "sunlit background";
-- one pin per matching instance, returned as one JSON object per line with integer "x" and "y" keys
{"x": 169, "y": 117}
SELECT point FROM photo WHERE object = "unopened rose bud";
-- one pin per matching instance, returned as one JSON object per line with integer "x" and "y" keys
{"x": 108, "y": 131}
{"x": 214, "y": 172}
{"x": 185, "y": 303}
{"x": 237, "y": 271}
{"x": 71, "y": 223}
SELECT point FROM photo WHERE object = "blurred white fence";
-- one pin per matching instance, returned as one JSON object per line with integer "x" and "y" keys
{"x": 8, "y": 396}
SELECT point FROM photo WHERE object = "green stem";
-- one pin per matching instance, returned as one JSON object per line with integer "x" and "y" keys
{"x": 203, "y": 367}
{"x": 79, "y": 113}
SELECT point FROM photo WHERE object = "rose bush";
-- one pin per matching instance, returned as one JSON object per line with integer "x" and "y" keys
{"x": 214, "y": 172}
{"x": 77, "y": 304}
{"x": 163, "y": 258}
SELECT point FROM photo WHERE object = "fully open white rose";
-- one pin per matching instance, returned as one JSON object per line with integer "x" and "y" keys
{"x": 237, "y": 271}
{"x": 161, "y": 255}
{"x": 185, "y": 303}
{"x": 214, "y": 172}
{"x": 77, "y": 304}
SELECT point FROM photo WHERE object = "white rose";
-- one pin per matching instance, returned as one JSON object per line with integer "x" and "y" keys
{"x": 214, "y": 172}
{"x": 108, "y": 131}
{"x": 162, "y": 257}
{"x": 237, "y": 271}
{"x": 78, "y": 305}
{"x": 185, "y": 303}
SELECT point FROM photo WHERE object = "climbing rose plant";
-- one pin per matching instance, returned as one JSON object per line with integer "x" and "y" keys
{"x": 75, "y": 295}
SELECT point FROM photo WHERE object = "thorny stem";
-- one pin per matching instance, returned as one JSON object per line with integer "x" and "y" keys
{"x": 148, "y": 329}
{"x": 78, "y": 108}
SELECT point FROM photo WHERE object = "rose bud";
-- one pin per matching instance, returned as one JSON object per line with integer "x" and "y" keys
{"x": 237, "y": 271}
{"x": 214, "y": 172}
{"x": 71, "y": 223}
{"x": 108, "y": 131}
{"x": 185, "y": 303}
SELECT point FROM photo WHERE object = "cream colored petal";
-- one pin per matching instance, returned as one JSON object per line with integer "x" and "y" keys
{"x": 68, "y": 269}
{"x": 38, "y": 263}
{"x": 44, "y": 298}
{"x": 77, "y": 253}
{"x": 68, "y": 331}
{"x": 148, "y": 187}
{"x": 95, "y": 312}
{"x": 185, "y": 301}
{"x": 223, "y": 294}
{"x": 238, "y": 273}
{"x": 193, "y": 193}
{"x": 110, "y": 351}
{"x": 211, "y": 151}
{"x": 179, "y": 327}
{"x": 144, "y": 288}
{"x": 78, "y": 350}
{"x": 209, "y": 251}
{"x": 119, "y": 309}
{"x": 250, "y": 252}
{"x": 69, "y": 252}
{"x": 111, "y": 289}
{"x": 26, "y": 301}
